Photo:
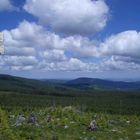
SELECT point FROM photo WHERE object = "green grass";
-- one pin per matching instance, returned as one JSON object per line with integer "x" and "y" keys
{"x": 110, "y": 127}
{"x": 98, "y": 101}
{"x": 117, "y": 115}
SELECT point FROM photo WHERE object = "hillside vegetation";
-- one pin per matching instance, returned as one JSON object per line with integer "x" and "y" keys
{"x": 71, "y": 109}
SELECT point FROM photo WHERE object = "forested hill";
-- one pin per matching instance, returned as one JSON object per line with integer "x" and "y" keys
{"x": 102, "y": 84}
{"x": 32, "y": 86}
{"x": 18, "y": 84}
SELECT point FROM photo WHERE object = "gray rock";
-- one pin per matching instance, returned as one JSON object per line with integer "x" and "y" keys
{"x": 20, "y": 120}
{"x": 92, "y": 126}
{"x": 33, "y": 119}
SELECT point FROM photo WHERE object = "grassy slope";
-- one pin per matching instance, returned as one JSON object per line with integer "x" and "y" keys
{"x": 13, "y": 92}
{"x": 114, "y": 103}
{"x": 110, "y": 127}
{"x": 44, "y": 100}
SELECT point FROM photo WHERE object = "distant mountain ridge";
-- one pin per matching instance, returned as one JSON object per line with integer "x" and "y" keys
{"x": 32, "y": 86}
{"x": 85, "y": 82}
{"x": 19, "y": 84}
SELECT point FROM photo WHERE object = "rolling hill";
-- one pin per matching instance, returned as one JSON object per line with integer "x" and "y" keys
{"x": 32, "y": 86}
{"x": 18, "y": 84}
{"x": 86, "y": 83}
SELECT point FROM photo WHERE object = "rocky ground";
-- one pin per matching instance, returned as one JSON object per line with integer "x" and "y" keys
{"x": 66, "y": 123}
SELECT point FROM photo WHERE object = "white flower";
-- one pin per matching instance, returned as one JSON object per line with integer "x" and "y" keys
{"x": 12, "y": 116}
{"x": 58, "y": 119}
{"x": 72, "y": 122}
{"x": 128, "y": 122}
{"x": 138, "y": 133}
{"x": 66, "y": 126}
{"x": 84, "y": 132}
{"x": 114, "y": 130}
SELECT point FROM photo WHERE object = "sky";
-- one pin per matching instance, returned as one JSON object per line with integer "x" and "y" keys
{"x": 71, "y": 38}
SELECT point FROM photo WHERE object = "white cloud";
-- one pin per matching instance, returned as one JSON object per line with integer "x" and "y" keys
{"x": 20, "y": 60}
{"x": 73, "y": 64}
{"x": 54, "y": 55}
{"x": 20, "y": 51}
{"x": 31, "y": 46}
{"x": 70, "y": 16}
{"x": 123, "y": 44}
{"x": 119, "y": 63}
{"x": 82, "y": 47}
{"x": 19, "y": 68}
{"x": 6, "y": 5}
{"x": 123, "y": 50}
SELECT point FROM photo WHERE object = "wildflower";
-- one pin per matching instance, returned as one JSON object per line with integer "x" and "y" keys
{"x": 128, "y": 122}
{"x": 66, "y": 127}
{"x": 12, "y": 116}
{"x": 84, "y": 132}
{"x": 138, "y": 133}
{"x": 114, "y": 130}
{"x": 72, "y": 122}
{"x": 58, "y": 119}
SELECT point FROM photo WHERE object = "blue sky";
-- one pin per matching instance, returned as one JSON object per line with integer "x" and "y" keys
{"x": 45, "y": 39}
{"x": 124, "y": 16}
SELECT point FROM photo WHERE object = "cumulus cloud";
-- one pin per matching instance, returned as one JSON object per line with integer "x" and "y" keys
{"x": 18, "y": 62}
{"x": 123, "y": 51}
{"x": 17, "y": 51}
{"x": 118, "y": 63}
{"x": 70, "y": 16}
{"x": 31, "y": 46}
{"x": 82, "y": 47}
{"x": 123, "y": 44}
{"x": 6, "y": 5}
{"x": 54, "y": 55}
{"x": 72, "y": 64}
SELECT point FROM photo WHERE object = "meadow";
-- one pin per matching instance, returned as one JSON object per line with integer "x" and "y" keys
{"x": 70, "y": 110}
{"x": 117, "y": 115}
